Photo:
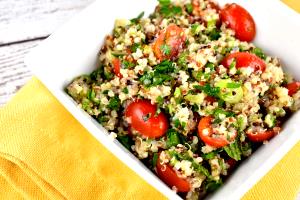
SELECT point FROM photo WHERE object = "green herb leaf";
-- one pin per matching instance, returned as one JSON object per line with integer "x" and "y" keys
{"x": 164, "y": 2}
{"x": 165, "y": 49}
{"x": 182, "y": 60}
{"x": 233, "y": 151}
{"x": 257, "y": 51}
{"x": 208, "y": 89}
{"x": 215, "y": 34}
{"x": 135, "y": 46}
{"x": 154, "y": 159}
{"x": 212, "y": 186}
{"x": 168, "y": 10}
{"x": 232, "y": 64}
{"x": 195, "y": 29}
{"x": 126, "y": 141}
{"x": 86, "y": 104}
{"x": 108, "y": 75}
{"x": 199, "y": 168}
{"x": 125, "y": 90}
{"x": 95, "y": 75}
{"x": 137, "y": 19}
{"x": 91, "y": 94}
{"x": 114, "y": 103}
{"x": 218, "y": 111}
{"x": 118, "y": 53}
{"x": 160, "y": 100}
{"x": 172, "y": 138}
{"x": 189, "y": 8}
{"x": 160, "y": 74}
{"x": 165, "y": 66}
{"x": 209, "y": 155}
{"x": 176, "y": 123}
{"x": 127, "y": 65}
{"x": 102, "y": 119}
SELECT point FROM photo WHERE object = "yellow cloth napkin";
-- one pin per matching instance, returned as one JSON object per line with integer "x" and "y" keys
{"x": 46, "y": 154}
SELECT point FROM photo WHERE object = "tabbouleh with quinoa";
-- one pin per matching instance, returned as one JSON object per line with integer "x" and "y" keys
{"x": 187, "y": 93}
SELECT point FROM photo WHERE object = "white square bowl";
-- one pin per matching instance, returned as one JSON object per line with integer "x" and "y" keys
{"x": 73, "y": 49}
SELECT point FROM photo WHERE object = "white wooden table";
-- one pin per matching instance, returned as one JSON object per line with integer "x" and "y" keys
{"x": 23, "y": 24}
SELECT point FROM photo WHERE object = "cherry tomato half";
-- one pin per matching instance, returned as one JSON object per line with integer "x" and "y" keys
{"x": 169, "y": 176}
{"x": 169, "y": 43}
{"x": 293, "y": 87}
{"x": 260, "y": 136}
{"x": 142, "y": 118}
{"x": 117, "y": 67}
{"x": 239, "y": 19}
{"x": 205, "y": 132}
{"x": 244, "y": 59}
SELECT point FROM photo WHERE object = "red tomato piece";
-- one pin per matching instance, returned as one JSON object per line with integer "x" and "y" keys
{"x": 169, "y": 176}
{"x": 205, "y": 133}
{"x": 244, "y": 59}
{"x": 169, "y": 43}
{"x": 293, "y": 87}
{"x": 117, "y": 67}
{"x": 260, "y": 136}
{"x": 142, "y": 118}
{"x": 238, "y": 19}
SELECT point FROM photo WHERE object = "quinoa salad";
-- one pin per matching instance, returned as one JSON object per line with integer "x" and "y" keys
{"x": 187, "y": 92}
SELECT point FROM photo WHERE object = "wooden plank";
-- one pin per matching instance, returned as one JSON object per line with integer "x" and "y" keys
{"x": 13, "y": 72}
{"x": 22, "y": 20}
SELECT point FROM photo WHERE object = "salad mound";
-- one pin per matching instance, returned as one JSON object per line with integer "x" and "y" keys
{"x": 187, "y": 92}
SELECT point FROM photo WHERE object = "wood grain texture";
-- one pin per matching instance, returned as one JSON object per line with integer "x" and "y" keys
{"x": 28, "y": 19}
{"x": 13, "y": 72}
{"x": 22, "y": 24}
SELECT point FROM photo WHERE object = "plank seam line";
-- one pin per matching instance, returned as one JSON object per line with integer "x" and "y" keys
{"x": 23, "y": 41}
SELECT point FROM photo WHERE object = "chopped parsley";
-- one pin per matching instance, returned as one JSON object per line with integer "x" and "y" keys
{"x": 135, "y": 46}
{"x": 213, "y": 185}
{"x": 160, "y": 100}
{"x": 125, "y": 90}
{"x": 233, "y": 151}
{"x": 91, "y": 94}
{"x": 114, "y": 103}
{"x": 169, "y": 10}
{"x": 214, "y": 34}
{"x": 232, "y": 64}
{"x": 172, "y": 138}
{"x": 208, "y": 89}
{"x": 195, "y": 29}
{"x": 166, "y": 49}
{"x": 159, "y": 75}
{"x": 102, "y": 119}
{"x": 137, "y": 19}
{"x": 209, "y": 155}
{"x": 154, "y": 159}
{"x": 219, "y": 111}
{"x": 126, "y": 141}
{"x": 127, "y": 65}
{"x": 257, "y": 51}
{"x": 182, "y": 60}
{"x": 189, "y": 8}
